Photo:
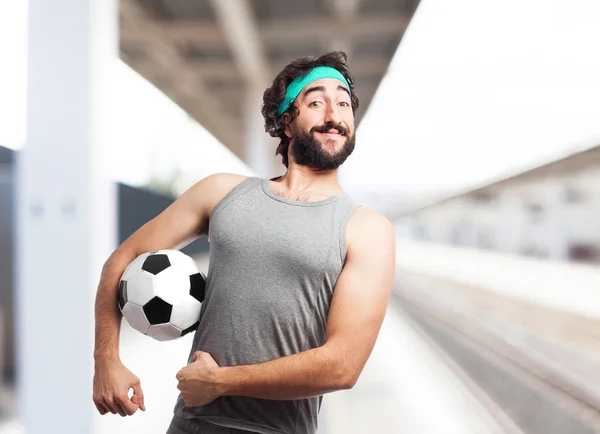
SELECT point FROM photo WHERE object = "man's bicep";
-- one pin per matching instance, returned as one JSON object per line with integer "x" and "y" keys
{"x": 185, "y": 219}
{"x": 361, "y": 294}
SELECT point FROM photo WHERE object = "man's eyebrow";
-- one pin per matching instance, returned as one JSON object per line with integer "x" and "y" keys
{"x": 322, "y": 89}
{"x": 344, "y": 89}
{"x": 314, "y": 89}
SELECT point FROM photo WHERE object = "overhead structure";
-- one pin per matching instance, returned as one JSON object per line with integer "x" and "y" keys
{"x": 214, "y": 58}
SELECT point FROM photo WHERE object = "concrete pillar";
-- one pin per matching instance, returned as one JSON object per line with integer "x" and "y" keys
{"x": 66, "y": 210}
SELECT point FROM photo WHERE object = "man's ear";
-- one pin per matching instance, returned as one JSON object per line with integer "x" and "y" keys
{"x": 285, "y": 121}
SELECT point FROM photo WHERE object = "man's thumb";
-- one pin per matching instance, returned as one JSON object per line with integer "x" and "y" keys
{"x": 138, "y": 396}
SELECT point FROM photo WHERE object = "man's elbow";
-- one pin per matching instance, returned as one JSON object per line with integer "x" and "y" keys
{"x": 344, "y": 373}
{"x": 348, "y": 379}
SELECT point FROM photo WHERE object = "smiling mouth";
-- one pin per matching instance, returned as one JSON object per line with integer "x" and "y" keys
{"x": 337, "y": 133}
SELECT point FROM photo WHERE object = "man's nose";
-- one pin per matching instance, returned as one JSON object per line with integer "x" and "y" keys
{"x": 332, "y": 115}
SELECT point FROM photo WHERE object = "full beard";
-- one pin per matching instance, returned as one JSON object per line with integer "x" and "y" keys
{"x": 307, "y": 150}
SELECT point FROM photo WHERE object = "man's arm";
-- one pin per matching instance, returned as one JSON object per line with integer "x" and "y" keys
{"x": 183, "y": 221}
{"x": 356, "y": 313}
{"x": 178, "y": 225}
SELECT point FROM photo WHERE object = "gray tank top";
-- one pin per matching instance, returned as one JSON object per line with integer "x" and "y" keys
{"x": 274, "y": 263}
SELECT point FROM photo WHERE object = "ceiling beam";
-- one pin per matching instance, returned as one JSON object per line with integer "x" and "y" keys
{"x": 274, "y": 34}
{"x": 187, "y": 89}
{"x": 156, "y": 49}
{"x": 241, "y": 31}
{"x": 344, "y": 10}
{"x": 380, "y": 26}
{"x": 362, "y": 67}
{"x": 177, "y": 80}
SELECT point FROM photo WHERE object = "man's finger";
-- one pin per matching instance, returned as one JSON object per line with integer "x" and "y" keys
{"x": 106, "y": 404}
{"x": 116, "y": 406}
{"x": 101, "y": 409}
{"x": 139, "y": 395}
{"x": 113, "y": 407}
{"x": 127, "y": 406}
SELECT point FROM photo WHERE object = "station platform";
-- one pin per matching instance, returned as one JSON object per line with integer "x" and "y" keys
{"x": 452, "y": 357}
{"x": 406, "y": 387}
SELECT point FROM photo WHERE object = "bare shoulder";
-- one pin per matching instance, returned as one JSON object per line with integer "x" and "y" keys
{"x": 209, "y": 191}
{"x": 369, "y": 229}
{"x": 223, "y": 183}
{"x": 217, "y": 185}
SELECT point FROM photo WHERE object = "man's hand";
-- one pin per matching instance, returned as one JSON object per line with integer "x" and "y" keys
{"x": 197, "y": 381}
{"x": 112, "y": 381}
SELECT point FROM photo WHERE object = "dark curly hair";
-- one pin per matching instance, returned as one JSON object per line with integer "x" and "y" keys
{"x": 274, "y": 95}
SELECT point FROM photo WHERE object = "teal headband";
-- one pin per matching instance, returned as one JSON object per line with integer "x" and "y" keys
{"x": 300, "y": 83}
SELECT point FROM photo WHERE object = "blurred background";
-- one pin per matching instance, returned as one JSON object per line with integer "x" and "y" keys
{"x": 478, "y": 137}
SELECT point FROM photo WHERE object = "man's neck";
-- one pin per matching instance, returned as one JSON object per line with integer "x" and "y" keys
{"x": 302, "y": 180}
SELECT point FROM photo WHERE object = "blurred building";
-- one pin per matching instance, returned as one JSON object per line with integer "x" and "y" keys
{"x": 551, "y": 211}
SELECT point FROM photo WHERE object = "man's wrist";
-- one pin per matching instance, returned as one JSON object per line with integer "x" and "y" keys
{"x": 106, "y": 357}
{"x": 223, "y": 380}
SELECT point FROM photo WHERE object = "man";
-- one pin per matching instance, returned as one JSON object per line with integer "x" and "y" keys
{"x": 298, "y": 282}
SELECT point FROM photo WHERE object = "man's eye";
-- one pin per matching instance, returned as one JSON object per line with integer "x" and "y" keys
{"x": 314, "y": 104}
{"x": 344, "y": 104}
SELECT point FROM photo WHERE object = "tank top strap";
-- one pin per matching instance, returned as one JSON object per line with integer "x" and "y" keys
{"x": 343, "y": 211}
{"x": 239, "y": 190}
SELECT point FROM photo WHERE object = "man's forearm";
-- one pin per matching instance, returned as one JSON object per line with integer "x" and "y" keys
{"x": 108, "y": 317}
{"x": 303, "y": 375}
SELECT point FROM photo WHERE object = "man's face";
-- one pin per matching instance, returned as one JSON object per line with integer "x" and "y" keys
{"x": 323, "y": 132}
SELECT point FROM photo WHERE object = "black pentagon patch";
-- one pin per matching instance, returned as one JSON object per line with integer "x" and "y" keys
{"x": 197, "y": 286}
{"x": 157, "y": 311}
{"x": 122, "y": 294}
{"x": 190, "y": 329}
{"x": 156, "y": 263}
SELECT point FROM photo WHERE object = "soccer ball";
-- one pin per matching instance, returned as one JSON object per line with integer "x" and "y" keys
{"x": 160, "y": 294}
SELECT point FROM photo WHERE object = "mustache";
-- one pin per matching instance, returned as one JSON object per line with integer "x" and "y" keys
{"x": 329, "y": 126}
